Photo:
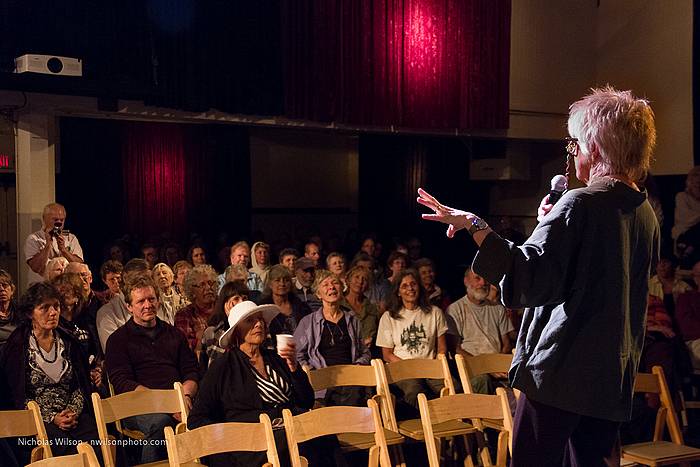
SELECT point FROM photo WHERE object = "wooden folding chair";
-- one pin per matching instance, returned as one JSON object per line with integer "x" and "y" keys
{"x": 469, "y": 367}
{"x": 85, "y": 458}
{"x": 354, "y": 375}
{"x": 27, "y": 422}
{"x": 129, "y": 404}
{"x": 389, "y": 373}
{"x": 658, "y": 451}
{"x": 464, "y": 406}
{"x": 189, "y": 446}
{"x": 332, "y": 421}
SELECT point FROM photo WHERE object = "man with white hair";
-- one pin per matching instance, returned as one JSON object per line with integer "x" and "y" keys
{"x": 478, "y": 327}
{"x": 583, "y": 278}
{"x": 50, "y": 242}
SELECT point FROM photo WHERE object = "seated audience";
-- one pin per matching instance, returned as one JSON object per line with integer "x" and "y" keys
{"x": 367, "y": 313}
{"x": 312, "y": 251}
{"x": 278, "y": 291}
{"x": 9, "y": 319}
{"x": 111, "y": 274}
{"x": 412, "y": 328}
{"x": 665, "y": 285}
{"x": 688, "y": 318}
{"x": 55, "y": 267}
{"x": 240, "y": 254}
{"x": 232, "y": 293}
{"x": 287, "y": 257}
{"x": 171, "y": 254}
{"x": 149, "y": 254}
{"x": 200, "y": 287}
{"x": 42, "y": 362}
{"x": 304, "y": 271}
{"x": 396, "y": 263}
{"x": 686, "y": 227}
{"x": 379, "y": 287}
{"x": 91, "y": 303}
{"x": 426, "y": 270}
{"x": 115, "y": 313}
{"x": 197, "y": 256}
{"x": 249, "y": 380}
{"x": 335, "y": 263}
{"x": 180, "y": 271}
{"x": 260, "y": 258}
{"x": 477, "y": 326}
{"x": 170, "y": 300}
{"x": 330, "y": 336}
{"x": 148, "y": 353}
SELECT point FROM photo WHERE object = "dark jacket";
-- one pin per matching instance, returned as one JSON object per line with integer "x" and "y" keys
{"x": 282, "y": 324}
{"x": 228, "y": 392}
{"x": 13, "y": 368}
{"x": 133, "y": 358}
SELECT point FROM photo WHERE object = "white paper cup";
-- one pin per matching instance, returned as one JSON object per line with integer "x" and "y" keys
{"x": 284, "y": 340}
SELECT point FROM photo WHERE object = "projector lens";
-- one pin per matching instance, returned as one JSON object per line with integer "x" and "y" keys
{"x": 54, "y": 65}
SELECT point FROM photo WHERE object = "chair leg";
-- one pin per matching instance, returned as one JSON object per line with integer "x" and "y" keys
{"x": 373, "y": 460}
{"x": 398, "y": 455}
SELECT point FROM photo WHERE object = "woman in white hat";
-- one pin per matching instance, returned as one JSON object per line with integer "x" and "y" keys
{"x": 249, "y": 380}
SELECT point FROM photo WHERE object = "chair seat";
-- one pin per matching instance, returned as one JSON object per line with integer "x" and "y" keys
{"x": 494, "y": 423}
{"x": 414, "y": 428}
{"x": 659, "y": 453}
{"x": 361, "y": 441}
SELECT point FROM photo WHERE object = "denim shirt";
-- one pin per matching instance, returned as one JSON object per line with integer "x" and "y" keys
{"x": 308, "y": 339}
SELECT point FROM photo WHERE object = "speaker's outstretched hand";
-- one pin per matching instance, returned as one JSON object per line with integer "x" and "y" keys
{"x": 455, "y": 218}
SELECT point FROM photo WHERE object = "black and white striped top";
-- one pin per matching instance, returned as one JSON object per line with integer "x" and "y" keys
{"x": 275, "y": 390}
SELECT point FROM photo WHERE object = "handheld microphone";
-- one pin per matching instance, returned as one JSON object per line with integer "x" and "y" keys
{"x": 558, "y": 187}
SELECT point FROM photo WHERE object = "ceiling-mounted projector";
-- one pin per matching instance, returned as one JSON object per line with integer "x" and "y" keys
{"x": 49, "y": 64}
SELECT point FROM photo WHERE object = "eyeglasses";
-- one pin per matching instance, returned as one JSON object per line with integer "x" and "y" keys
{"x": 571, "y": 146}
{"x": 5, "y": 285}
{"x": 202, "y": 285}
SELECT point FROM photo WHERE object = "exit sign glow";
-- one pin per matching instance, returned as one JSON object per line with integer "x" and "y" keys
{"x": 6, "y": 163}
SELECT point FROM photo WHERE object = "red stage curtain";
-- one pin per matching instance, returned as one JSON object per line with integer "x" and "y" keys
{"x": 153, "y": 162}
{"x": 411, "y": 63}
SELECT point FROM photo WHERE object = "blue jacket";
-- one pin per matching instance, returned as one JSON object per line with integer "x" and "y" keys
{"x": 308, "y": 338}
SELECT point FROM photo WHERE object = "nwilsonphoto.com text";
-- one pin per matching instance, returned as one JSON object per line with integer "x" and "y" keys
{"x": 75, "y": 442}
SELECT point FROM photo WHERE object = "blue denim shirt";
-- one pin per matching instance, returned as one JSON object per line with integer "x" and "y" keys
{"x": 308, "y": 338}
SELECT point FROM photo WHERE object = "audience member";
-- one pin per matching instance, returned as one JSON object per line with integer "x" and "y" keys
{"x": 170, "y": 300}
{"x": 330, "y": 336}
{"x": 148, "y": 353}
{"x": 304, "y": 271}
{"x": 426, "y": 271}
{"x": 335, "y": 263}
{"x": 665, "y": 285}
{"x": 261, "y": 260}
{"x": 478, "y": 327}
{"x": 287, "y": 257}
{"x": 200, "y": 288}
{"x": 240, "y": 254}
{"x": 55, "y": 267}
{"x": 111, "y": 275}
{"x": 686, "y": 227}
{"x": 197, "y": 256}
{"x": 687, "y": 318}
{"x": 358, "y": 279}
{"x": 313, "y": 252}
{"x": 91, "y": 303}
{"x": 396, "y": 263}
{"x": 250, "y": 380}
{"x": 379, "y": 287}
{"x": 278, "y": 291}
{"x": 171, "y": 254}
{"x": 180, "y": 269}
{"x": 150, "y": 254}
{"x": 50, "y": 242}
{"x": 232, "y": 293}
{"x": 9, "y": 319}
{"x": 412, "y": 328}
{"x": 44, "y": 363}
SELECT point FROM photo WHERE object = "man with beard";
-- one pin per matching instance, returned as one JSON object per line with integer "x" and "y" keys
{"x": 476, "y": 327}
{"x": 200, "y": 288}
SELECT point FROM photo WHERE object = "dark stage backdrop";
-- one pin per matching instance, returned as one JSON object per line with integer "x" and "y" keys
{"x": 152, "y": 182}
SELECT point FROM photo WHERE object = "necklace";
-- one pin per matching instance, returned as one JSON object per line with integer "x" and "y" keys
{"x": 41, "y": 353}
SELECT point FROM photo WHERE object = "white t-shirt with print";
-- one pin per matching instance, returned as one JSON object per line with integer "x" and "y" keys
{"x": 414, "y": 335}
{"x": 479, "y": 327}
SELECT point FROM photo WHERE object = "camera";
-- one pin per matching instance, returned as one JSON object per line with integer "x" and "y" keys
{"x": 57, "y": 229}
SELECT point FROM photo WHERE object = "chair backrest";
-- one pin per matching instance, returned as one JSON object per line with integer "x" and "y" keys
{"x": 462, "y": 406}
{"x": 133, "y": 403}
{"x": 27, "y": 422}
{"x": 85, "y": 458}
{"x": 341, "y": 375}
{"x": 666, "y": 416}
{"x": 332, "y": 421}
{"x": 188, "y": 446}
{"x": 470, "y": 367}
{"x": 388, "y": 373}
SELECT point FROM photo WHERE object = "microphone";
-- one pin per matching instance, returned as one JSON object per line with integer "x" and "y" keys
{"x": 558, "y": 187}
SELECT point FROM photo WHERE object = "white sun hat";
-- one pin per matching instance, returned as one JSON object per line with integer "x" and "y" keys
{"x": 240, "y": 312}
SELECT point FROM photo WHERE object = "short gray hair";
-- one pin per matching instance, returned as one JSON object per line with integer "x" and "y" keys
{"x": 192, "y": 275}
